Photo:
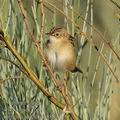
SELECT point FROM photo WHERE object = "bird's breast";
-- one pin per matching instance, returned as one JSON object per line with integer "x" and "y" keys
{"x": 66, "y": 59}
{"x": 61, "y": 57}
{"x": 51, "y": 56}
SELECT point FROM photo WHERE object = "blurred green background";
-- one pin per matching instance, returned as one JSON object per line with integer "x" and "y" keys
{"x": 95, "y": 94}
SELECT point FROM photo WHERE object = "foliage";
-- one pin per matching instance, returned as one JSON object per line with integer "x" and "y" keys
{"x": 24, "y": 79}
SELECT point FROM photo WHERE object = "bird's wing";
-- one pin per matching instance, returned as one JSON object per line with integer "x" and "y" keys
{"x": 72, "y": 40}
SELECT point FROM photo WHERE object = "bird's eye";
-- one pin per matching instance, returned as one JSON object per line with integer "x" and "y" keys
{"x": 57, "y": 34}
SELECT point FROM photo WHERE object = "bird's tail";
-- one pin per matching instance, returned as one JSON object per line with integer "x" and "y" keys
{"x": 77, "y": 70}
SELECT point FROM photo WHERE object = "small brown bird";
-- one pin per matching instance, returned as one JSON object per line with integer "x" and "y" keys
{"x": 60, "y": 50}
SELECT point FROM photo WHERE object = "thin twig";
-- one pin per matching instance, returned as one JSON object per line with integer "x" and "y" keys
{"x": 91, "y": 39}
{"x": 116, "y": 13}
{"x": 115, "y": 3}
{"x": 42, "y": 19}
{"x": 43, "y": 58}
{"x": 109, "y": 66}
{"x": 97, "y": 65}
{"x": 39, "y": 50}
{"x": 25, "y": 20}
{"x": 84, "y": 29}
{"x": 32, "y": 75}
{"x": 9, "y": 16}
{"x": 105, "y": 60}
{"x": 21, "y": 69}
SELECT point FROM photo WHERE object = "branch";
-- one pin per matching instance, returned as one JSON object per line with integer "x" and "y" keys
{"x": 40, "y": 52}
{"x": 9, "y": 78}
{"x": 115, "y": 3}
{"x": 31, "y": 74}
{"x": 42, "y": 19}
{"x": 22, "y": 70}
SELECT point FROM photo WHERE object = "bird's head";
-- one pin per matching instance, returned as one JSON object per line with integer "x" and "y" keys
{"x": 57, "y": 34}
